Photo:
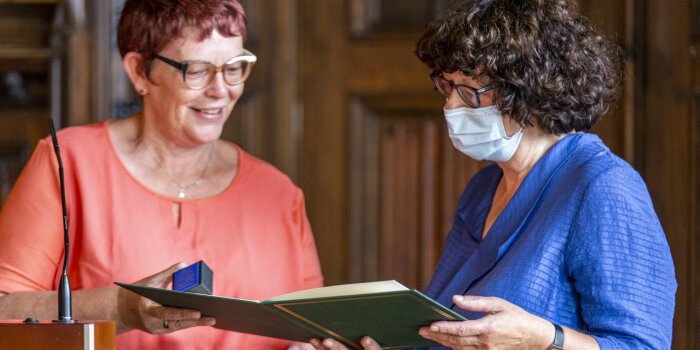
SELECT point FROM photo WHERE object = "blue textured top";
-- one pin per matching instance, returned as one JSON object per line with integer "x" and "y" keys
{"x": 579, "y": 244}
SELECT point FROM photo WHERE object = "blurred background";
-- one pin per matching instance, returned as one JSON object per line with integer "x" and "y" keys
{"x": 339, "y": 102}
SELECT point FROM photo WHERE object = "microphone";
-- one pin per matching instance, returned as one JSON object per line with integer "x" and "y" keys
{"x": 64, "y": 298}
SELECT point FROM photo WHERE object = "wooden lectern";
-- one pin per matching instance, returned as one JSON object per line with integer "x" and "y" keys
{"x": 93, "y": 335}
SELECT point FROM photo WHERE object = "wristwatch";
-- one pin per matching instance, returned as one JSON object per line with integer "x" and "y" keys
{"x": 558, "y": 343}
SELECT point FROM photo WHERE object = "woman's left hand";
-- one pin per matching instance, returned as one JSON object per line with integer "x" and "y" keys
{"x": 137, "y": 312}
{"x": 504, "y": 326}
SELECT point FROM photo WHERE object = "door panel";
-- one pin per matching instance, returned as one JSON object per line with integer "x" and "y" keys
{"x": 405, "y": 179}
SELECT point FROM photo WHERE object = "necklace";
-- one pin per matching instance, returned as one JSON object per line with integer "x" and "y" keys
{"x": 181, "y": 192}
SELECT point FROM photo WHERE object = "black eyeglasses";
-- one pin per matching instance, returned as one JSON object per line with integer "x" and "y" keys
{"x": 469, "y": 95}
{"x": 198, "y": 74}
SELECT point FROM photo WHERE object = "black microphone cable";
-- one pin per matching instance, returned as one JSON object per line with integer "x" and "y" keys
{"x": 64, "y": 294}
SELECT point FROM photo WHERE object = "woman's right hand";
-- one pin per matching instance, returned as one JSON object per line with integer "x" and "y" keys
{"x": 331, "y": 344}
{"x": 137, "y": 312}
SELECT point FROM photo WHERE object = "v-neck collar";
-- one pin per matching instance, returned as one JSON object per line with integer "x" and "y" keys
{"x": 509, "y": 224}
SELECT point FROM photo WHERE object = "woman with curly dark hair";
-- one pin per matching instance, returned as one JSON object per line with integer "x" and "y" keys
{"x": 556, "y": 244}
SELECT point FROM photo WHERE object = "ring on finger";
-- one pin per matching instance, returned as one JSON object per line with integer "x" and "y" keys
{"x": 166, "y": 324}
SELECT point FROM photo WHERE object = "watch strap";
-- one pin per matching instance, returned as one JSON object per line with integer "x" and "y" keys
{"x": 558, "y": 343}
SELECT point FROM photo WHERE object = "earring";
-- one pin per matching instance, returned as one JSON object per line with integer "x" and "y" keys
{"x": 142, "y": 92}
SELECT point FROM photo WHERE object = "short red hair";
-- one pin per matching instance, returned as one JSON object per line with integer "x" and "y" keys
{"x": 147, "y": 26}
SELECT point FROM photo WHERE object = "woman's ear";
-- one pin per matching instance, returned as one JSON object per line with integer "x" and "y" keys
{"x": 132, "y": 63}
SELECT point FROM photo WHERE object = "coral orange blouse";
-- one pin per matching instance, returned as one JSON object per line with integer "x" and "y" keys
{"x": 254, "y": 235}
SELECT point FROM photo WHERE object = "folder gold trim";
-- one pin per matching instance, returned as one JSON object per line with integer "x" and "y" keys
{"x": 279, "y": 306}
{"x": 356, "y": 346}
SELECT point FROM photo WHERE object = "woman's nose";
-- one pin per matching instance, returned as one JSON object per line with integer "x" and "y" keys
{"x": 454, "y": 101}
{"x": 217, "y": 88}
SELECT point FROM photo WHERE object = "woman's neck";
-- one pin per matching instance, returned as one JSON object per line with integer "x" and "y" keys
{"x": 183, "y": 162}
{"x": 533, "y": 146}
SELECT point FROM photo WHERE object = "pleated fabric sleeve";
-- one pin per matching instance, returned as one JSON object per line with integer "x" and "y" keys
{"x": 619, "y": 262}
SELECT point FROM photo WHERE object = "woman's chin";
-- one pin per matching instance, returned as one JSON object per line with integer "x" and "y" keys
{"x": 208, "y": 128}
{"x": 206, "y": 134}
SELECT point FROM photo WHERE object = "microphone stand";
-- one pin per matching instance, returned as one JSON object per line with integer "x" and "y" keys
{"x": 65, "y": 310}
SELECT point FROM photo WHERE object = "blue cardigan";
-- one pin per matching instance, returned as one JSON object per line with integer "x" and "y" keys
{"x": 579, "y": 244}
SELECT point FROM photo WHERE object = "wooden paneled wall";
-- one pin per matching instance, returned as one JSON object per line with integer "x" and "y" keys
{"x": 404, "y": 175}
{"x": 31, "y": 59}
{"x": 618, "y": 20}
{"x": 669, "y": 160}
{"x": 690, "y": 328}
{"x": 376, "y": 158}
{"x": 404, "y": 181}
{"x": 267, "y": 120}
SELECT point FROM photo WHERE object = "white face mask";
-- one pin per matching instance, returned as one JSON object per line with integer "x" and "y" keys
{"x": 480, "y": 134}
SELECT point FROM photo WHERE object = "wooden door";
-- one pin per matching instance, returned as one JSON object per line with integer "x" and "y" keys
{"x": 380, "y": 175}
{"x": 379, "y": 172}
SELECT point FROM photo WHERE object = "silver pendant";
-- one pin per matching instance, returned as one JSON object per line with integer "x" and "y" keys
{"x": 181, "y": 194}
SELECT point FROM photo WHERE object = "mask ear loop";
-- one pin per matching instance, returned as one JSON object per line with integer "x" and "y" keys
{"x": 517, "y": 132}
{"x": 514, "y": 134}
{"x": 504, "y": 129}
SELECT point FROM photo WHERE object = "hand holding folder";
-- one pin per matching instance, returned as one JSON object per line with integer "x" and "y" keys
{"x": 386, "y": 310}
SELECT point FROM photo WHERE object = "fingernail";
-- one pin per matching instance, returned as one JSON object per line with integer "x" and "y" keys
{"x": 459, "y": 298}
{"x": 328, "y": 343}
{"x": 211, "y": 322}
{"x": 366, "y": 341}
{"x": 423, "y": 332}
{"x": 434, "y": 328}
{"x": 314, "y": 342}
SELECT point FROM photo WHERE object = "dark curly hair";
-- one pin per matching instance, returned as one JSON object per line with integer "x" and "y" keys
{"x": 549, "y": 66}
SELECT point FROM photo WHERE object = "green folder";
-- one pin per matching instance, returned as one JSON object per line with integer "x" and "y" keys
{"x": 386, "y": 310}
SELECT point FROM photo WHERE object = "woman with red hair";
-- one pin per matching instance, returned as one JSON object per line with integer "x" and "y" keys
{"x": 159, "y": 187}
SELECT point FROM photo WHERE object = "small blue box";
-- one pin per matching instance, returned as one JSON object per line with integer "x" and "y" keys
{"x": 196, "y": 278}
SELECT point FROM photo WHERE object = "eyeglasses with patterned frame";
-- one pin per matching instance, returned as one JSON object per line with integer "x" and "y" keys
{"x": 469, "y": 95}
{"x": 199, "y": 74}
